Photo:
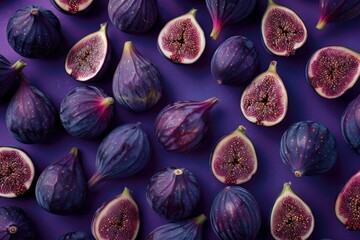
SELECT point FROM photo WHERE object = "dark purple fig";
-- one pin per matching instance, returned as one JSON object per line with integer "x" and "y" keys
{"x": 61, "y": 187}
{"x": 8, "y": 75}
{"x": 133, "y": 16}
{"x": 190, "y": 229}
{"x": 265, "y": 101}
{"x": 76, "y": 236}
{"x": 89, "y": 58}
{"x": 31, "y": 117}
{"x": 291, "y": 217}
{"x": 235, "y": 214}
{"x": 235, "y": 61}
{"x": 173, "y": 193}
{"x": 182, "y": 40}
{"x": 34, "y": 32}
{"x": 73, "y": 6}
{"x": 333, "y": 70}
{"x": 283, "y": 31}
{"x": 350, "y": 124}
{"x": 337, "y": 11}
{"x": 16, "y": 172}
{"x": 347, "y": 203}
{"x": 183, "y": 125}
{"x": 137, "y": 83}
{"x": 117, "y": 218}
{"x": 233, "y": 160}
{"x": 123, "y": 152}
{"x": 228, "y": 12}
{"x": 86, "y": 112}
{"x": 15, "y": 224}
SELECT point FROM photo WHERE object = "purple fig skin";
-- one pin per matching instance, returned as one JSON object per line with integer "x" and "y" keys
{"x": 15, "y": 224}
{"x": 336, "y": 11}
{"x": 350, "y": 124}
{"x": 86, "y": 112}
{"x": 8, "y": 75}
{"x": 182, "y": 126}
{"x": 73, "y": 7}
{"x": 227, "y": 12}
{"x": 137, "y": 83}
{"x": 76, "y": 236}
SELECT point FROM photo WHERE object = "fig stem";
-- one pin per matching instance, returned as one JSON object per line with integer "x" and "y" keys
{"x": 108, "y": 101}
{"x": 272, "y": 67}
{"x": 126, "y": 192}
{"x": 12, "y": 229}
{"x": 178, "y": 172}
{"x": 193, "y": 12}
{"x": 103, "y": 27}
{"x": 128, "y": 47}
{"x": 94, "y": 180}
{"x": 321, "y": 24}
{"x": 215, "y": 32}
{"x": 286, "y": 187}
{"x": 200, "y": 219}
{"x": 74, "y": 151}
{"x": 241, "y": 129}
{"x": 19, "y": 65}
{"x": 298, "y": 173}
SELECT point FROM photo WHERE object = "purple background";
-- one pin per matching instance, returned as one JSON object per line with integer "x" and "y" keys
{"x": 192, "y": 82}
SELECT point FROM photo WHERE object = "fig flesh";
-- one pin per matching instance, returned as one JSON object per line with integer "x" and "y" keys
{"x": 347, "y": 202}
{"x": 16, "y": 172}
{"x": 76, "y": 236}
{"x": 282, "y": 30}
{"x": 89, "y": 58}
{"x": 73, "y": 6}
{"x": 182, "y": 40}
{"x": 8, "y": 75}
{"x": 333, "y": 70}
{"x": 117, "y": 218}
{"x": 183, "y": 125}
{"x": 137, "y": 83}
{"x": 291, "y": 217}
{"x": 350, "y": 124}
{"x": 265, "y": 100}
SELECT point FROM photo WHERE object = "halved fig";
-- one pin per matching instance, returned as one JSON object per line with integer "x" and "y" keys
{"x": 16, "y": 172}
{"x": 73, "y": 6}
{"x": 283, "y": 31}
{"x": 182, "y": 40}
{"x": 333, "y": 70}
{"x": 89, "y": 58}
{"x": 265, "y": 100}
{"x": 234, "y": 160}
{"x": 291, "y": 217}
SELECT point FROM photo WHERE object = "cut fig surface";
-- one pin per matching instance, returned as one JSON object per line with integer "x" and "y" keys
{"x": 72, "y": 6}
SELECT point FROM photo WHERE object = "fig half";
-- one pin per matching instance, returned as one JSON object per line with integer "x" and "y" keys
{"x": 73, "y": 6}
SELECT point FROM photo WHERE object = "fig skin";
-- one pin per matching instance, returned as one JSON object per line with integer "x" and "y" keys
{"x": 350, "y": 123}
{"x": 73, "y": 7}
{"x": 9, "y": 75}
{"x": 76, "y": 236}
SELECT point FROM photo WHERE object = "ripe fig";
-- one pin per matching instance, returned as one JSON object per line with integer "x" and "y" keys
{"x": 235, "y": 214}
{"x": 86, "y": 112}
{"x": 282, "y": 30}
{"x": 234, "y": 161}
{"x": 76, "y": 236}
{"x": 123, "y": 152}
{"x": 174, "y": 193}
{"x": 235, "y": 61}
{"x": 15, "y": 224}
{"x": 291, "y": 217}
{"x": 16, "y": 172}
{"x": 9, "y": 75}
{"x": 117, "y": 218}
{"x": 183, "y": 125}
{"x": 350, "y": 123}
{"x": 182, "y": 40}
{"x": 190, "y": 229}
{"x": 347, "y": 202}
{"x": 265, "y": 100}
{"x": 34, "y": 32}
{"x": 73, "y": 6}
{"x": 333, "y": 70}
{"x": 137, "y": 83}
{"x": 133, "y": 16}
{"x": 227, "y": 12}
{"x": 336, "y": 11}
{"x": 61, "y": 187}
{"x": 89, "y": 58}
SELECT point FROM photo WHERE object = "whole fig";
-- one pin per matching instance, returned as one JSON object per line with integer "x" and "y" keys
{"x": 350, "y": 124}
{"x": 76, "y": 236}
{"x": 9, "y": 75}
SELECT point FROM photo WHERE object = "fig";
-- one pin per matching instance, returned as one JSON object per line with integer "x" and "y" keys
{"x": 235, "y": 61}
{"x": 291, "y": 217}
{"x": 182, "y": 126}
{"x": 61, "y": 187}
{"x": 265, "y": 101}
{"x": 347, "y": 202}
{"x": 333, "y": 70}
{"x": 34, "y": 32}
{"x": 123, "y": 152}
{"x": 76, "y": 236}
{"x": 117, "y": 218}
{"x": 182, "y": 40}
{"x": 8, "y": 75}
{"x": 227, "y": 12}
{"x": 235, "y": 214}
{"x": 16, "y": 172}
{"x": 308, "y": 148}
{"x": 86, "y": 112}
{"x": 89, "y": 58}
{"x": 174, "y": 193}
{"x": 233, "y": 160}
{"x": 137, "y": 83}
{"x": 73, "y": 6}
{"x": 282, "y": 30}
{"x": 350, "y": 123}
{"x": 337, "y": 11}
{"x": 133, "y": 16}
{"x": 31, "y": 117}
{"x": 190, "y": 229}
{"x": 15, "y": 224}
